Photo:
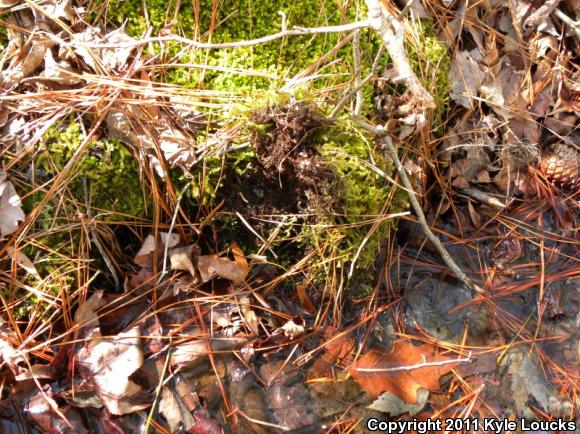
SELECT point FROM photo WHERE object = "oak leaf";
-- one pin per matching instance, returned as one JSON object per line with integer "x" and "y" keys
{"x": 402, "y": 370}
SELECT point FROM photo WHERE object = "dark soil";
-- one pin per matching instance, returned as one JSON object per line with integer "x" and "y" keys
{"x": 289, "y": 175}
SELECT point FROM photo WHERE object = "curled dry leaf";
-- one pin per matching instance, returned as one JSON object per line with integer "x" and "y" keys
{"x": 10, "y": 207}
{"x": 180, "y": 259}
{"x": 108, "y": 363}
{"x": 402, "y": 371}
{"x": 292, "y": 330}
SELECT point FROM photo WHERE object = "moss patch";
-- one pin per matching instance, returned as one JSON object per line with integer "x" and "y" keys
{"x": 107, "y": 169}
{"x": 243, "y": 70}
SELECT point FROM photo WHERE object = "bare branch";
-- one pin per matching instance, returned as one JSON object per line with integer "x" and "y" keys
{"x": 416, "y": 366}
{"x": 382, "y": 133}
{"x": 392, "y": 33}
{"x": 296, "y": 31}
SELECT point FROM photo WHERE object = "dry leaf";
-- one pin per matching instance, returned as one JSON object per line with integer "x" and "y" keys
{"x": 10, "y": 207}
{"x": 210, "y": 266}
{"x": 9, "y": 354}
{"x": 143, "y": 259}
{"x": 191, "y": 353}
{"x": 111, "y": 57}
{"x": 26, "y": 62}
{"x": 395, "y": 406}
{"x": 291, "y": 329}
{"x": 466, "y": 77}
{"x": 401, "y": 371}
{"x": 175, "y": 411}
{"x": 337, "y": 352}
{"x": 108, "y": 363}
{"x": 180, "y": 259}
{"x": 86, "y": 315}
{"x": 23, "y": 261}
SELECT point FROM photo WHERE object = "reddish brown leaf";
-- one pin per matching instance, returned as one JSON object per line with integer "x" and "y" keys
{"x": 401, "y": 371}
{"x": 335, "y": 353}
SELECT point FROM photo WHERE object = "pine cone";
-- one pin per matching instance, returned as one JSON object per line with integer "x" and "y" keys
{"x": 561, "y": 165}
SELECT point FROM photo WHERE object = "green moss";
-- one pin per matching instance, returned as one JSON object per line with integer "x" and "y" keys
{"x": 105, "y": 178}
{"x": 243, "y": 70}
{"x": 361, "y": 193}
{"x": 107, "y": 169}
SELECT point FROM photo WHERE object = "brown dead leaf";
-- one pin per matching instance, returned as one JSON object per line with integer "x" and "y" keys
{"x": 305, "y": 299}
{"x": 401, "y": 371}
{"x": 336, "y": 352}
{"x": 466, "y": 77}
{"x": 210, "y": 266}
{"x": 180, "y": 258}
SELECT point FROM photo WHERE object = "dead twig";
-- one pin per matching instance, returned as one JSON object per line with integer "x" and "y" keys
{"x": 296, "y": 31}
{"x": 382, "y": 134}
{"x": 392, "y": 33}
{"x": 417, "y": 366}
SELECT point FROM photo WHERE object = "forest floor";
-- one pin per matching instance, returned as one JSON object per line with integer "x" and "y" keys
{"x": 313, "y": 216}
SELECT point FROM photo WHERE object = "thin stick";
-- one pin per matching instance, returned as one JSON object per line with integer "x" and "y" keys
{"x": 296, "y": 31}
{"x": 568, "y": 21}
{"x": 351, "y": 92}
{"x": 380, "y": 132}
{"x": 357, "y": 72}
{"x": 417, "y": 366}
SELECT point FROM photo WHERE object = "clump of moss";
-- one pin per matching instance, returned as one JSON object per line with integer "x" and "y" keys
{"x": 107, "y": 169}
{"x": 105, "y": 178}
{"x": 326, "y": 175}
{"x": 242, "y": 70}
{"x": 361, "y": 193}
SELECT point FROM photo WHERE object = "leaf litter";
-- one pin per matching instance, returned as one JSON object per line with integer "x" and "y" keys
{"x": 206, "y": 337}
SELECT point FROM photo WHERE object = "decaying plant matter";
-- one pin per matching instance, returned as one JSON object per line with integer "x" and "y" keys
{"x": 287, "y": 216}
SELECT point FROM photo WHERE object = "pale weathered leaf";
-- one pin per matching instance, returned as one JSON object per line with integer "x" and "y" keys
{"x": 175, "y": 411}
{"x": 150, "y": 244}
{"x": 395, "y": 406}
{"x": 86, "y": 314}
{"x": 181, "y": 259}
{"x": 23, "y": 261}
{"x": 109, "y": 362}
{"x": 466, "y": 77}
{"x": 28, "y": 61}
{"x": 10, "y": 207}
{"x": 210, "y": 266}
